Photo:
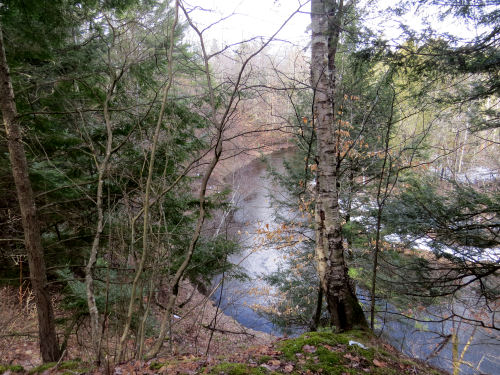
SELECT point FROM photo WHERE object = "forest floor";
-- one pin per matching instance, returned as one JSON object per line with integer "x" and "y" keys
{"x": 193, "y": 327}
{"x": 234, "y": 350}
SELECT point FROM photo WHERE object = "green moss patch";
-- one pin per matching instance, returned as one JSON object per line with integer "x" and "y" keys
{"x": 11, "y": 368}
{"x": 264, "y": 359}
{"x": 74, "y": 366}
{"x": 237, "y": 369}
{"x": 42, "y": 368}
{"x": 155, "y": 365}
{"x": 331, "y": 353}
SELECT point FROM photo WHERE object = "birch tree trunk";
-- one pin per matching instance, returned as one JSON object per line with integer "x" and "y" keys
{"x": 345, "y": 311}
{"x": 49, "y": 347}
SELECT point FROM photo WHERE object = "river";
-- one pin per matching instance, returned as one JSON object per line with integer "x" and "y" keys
{"x": 252, "y": 189}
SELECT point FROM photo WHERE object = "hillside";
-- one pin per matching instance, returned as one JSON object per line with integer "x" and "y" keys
{"x": 311, "y": 353}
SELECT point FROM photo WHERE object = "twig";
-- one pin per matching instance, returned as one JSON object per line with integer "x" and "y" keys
{"x": 226, "y": 331}
{"x": 60, "y": 360}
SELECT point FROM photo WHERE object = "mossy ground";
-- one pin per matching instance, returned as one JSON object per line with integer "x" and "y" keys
{"x": 66, "y": 367}
{"x": 11, "y": 368}
{"x": 238, "y": 369}
{"x": 327, "y": 353}
{"x": 321, "y": 353}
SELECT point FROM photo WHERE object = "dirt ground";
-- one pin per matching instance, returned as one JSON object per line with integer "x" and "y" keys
{"x": 192, "y": 329}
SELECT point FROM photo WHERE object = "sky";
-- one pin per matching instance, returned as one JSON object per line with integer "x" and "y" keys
{"x": 253, "y": 18}
{"x": 264, "y": 17}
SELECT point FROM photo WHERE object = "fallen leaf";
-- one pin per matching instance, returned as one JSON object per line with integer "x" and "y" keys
{"x": 308, "y": 348}
{"x": 288, "y": 368}
{"x": 351, "y": 357}
{"x": 378, "y": 363}
{"x": 272, "y": 365}
{"x": 274, "y": 362}
{"x": 269, "y": 367}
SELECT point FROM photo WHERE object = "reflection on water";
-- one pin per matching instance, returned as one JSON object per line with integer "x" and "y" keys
{"x": 253, "y": 189}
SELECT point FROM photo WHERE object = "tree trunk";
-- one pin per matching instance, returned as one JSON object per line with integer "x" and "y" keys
{"x": 49, "y": 347}
{"x": 345, "y": 311}
{"x": 317, "y": 315}
{"x": 102, "y": 169}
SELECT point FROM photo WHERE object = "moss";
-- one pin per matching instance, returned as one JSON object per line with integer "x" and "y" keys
{"x": 70, "y": 365}
{"x": 75, "y": 365}
{"x": 369, "y": 353}
{"x": 293, "y": 346}
{"x": 383, "y": 371}
{"x": 42, "y": 368}
{"x": 326, "y": 369}
{"x": 264, "y": 359}
{"x": 328, "y": 355}
{"x": 237, "y": 369}
{"x": 156, "y": 365}
{"x": 11, "y": 368}
{"x": 325, "y": 360}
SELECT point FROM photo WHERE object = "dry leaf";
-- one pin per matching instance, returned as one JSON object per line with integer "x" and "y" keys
{"x": 308, "y": 348}
{"x": 378, "y": 363}
{"x": 288, "y": 368}
{"x": 351, "y": 357}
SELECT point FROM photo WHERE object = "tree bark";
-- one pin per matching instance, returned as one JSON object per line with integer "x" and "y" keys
{"x": 49, "y": 347}
{"x": 345, "y": 311}
{"x": 317, "y": 315}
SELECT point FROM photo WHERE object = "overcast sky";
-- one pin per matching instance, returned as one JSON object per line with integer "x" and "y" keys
{"x": 264, "y": 17}
{"x": 253, "y": 18}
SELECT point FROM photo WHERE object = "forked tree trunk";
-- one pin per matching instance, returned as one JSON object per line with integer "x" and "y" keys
{"x": 345, "y": 311}
{"x": 49, "y": 347}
